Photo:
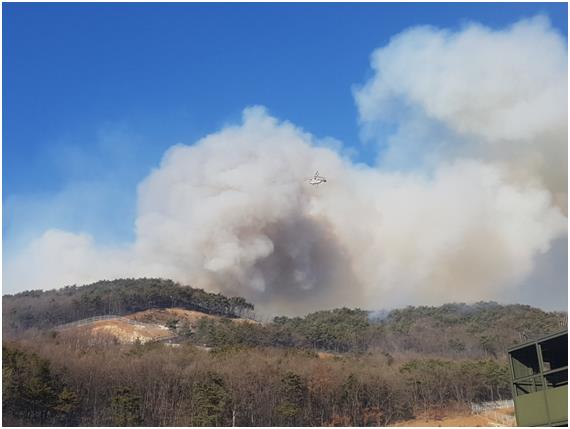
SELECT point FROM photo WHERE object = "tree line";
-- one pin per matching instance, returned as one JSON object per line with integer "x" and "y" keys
{"x": 457, "y": 330}
{"x": 53, "y": 380}
{"x": 43, "y": 309}
{"x": 332, "y": 367}
{"x": 482, "y": 330}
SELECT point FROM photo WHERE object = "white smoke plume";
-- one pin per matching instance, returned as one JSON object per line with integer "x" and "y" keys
{"x": 233, "y": 213}
{"x": 493, "y": 95}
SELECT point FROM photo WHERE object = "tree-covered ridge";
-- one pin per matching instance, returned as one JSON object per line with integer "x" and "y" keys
{"x": 340, "y": 330}
{"x": 42, "y": 309}
{"x": 480, "y": 330}
{"x": 156, "y": 385}
{"x": 478, "y": 316}
{"x": 384, "y": 366}
{"x": 484, "y": 327}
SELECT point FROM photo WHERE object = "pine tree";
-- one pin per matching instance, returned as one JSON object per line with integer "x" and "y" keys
{"x": 294, "y": 392}
{"x": 210, "y": 399}
{"x": 67, "y": 407}
{"x": 126, "y": 408}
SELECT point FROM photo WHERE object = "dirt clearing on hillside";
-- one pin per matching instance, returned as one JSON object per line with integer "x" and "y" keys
{"x": 457, "y": 419}
{"x": 190, "y": 317}
{"x": 126, "y": 332}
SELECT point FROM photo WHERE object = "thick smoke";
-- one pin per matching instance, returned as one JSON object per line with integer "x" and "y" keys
{"x": 493, "y": 95}
{"x": 233, "y": 212}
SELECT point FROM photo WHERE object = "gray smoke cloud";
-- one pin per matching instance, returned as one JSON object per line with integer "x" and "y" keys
{"x": 233, "y": 212}
{"x": 481, "y": 93}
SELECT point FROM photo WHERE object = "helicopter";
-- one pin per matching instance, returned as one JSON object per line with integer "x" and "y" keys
{"x": 316, "y": 179}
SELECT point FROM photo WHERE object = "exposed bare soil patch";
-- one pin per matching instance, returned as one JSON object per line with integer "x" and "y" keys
{"x": 455, "y": 419}
{"x": 165, "y": 315}
{"x": 125, "y": 332}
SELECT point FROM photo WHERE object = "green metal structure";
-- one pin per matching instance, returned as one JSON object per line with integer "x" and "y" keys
{"x": 539, "y": 374}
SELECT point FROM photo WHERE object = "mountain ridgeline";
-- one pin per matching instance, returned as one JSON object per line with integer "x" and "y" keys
{"x": 341, "y": 367}
{"x": 45, "y": 309}
{"x": 484, "y": 329}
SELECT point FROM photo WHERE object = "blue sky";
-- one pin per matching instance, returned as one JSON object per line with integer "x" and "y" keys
{"x": 95, "y": 93}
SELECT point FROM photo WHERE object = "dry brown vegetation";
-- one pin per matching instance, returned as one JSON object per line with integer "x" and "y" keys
{"x": 452, "y": 420}
{"x": 156, "y": 385}
{"x": 340, "y": 367}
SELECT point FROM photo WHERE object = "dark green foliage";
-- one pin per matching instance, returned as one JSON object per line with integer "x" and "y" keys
{"x": 31, "y": 393}
{"x": 294, "y": 394}
{"x": 172, "y": 324}
{"x": 340, "y": 330}
{"x": 210, "y": 401}
{"x": 67, "y": 407}
{"x": 50, "y": 308}
{"x": 240, "y": 307}
{"x": 220, "y": 333}
{"x": 484, "y": 329}
{"x": 440, "y": 381}
{"x": 256, "y": 374}
{"x": 444, "y": 331}
{"x": 161, "y": 386}
{"x": 126, "y": 408}
{"x": 476, "y": 318}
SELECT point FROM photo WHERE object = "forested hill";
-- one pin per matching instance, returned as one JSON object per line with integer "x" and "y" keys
{"x": 483, "y": 329}
{"x": 384, "y": 367}
{"x": 44, "y": 309}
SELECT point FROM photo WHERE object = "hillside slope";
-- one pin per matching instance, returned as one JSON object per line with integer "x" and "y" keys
{"x": 44, "y": 309}
{"x": 454, "y": 331}
{"x": 119, "y": 330}
{"x": 480, "y": 329}
{"x": 142, "y": 327}
{"x": 333, "y": 367}
{"x": 179, "y": 316}
{"x": 458, "y": 330}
